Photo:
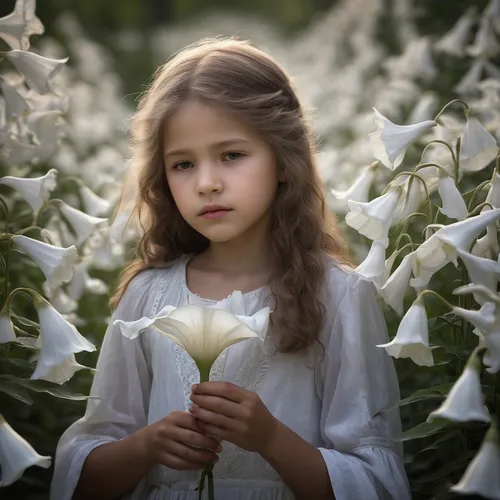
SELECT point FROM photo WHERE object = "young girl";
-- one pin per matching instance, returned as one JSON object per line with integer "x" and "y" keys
{"x": 229, "y": 199}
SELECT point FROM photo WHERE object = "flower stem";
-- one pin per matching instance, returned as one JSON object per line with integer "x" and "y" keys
{"x": 480, "y": 207}
{"x": 447, "y": 105}
{"x": 432, "y": 292}
{"x": 444, "y": 143}
{"x": 6, "y": 212}
{"x": 7, "y": 271}
{"x": 476, "y": 192}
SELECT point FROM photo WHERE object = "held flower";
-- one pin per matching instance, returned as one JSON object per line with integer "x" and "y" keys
{"x": 58, "y": 340}
{"x": 454, "y": 205}
{"x": 481, "y": 476}
{"x": 373, "y": 219}
{"x": 55, "y": 262}
{"x": 394, "y": 289}
{"x": 16, "y": 455}
{"x": 373, "y": 267}
{"x": 412, "y": 338}
{"x": 84, "y": 225}
{"x": 17, "y": 27}
{"x": 37, "y": 70}
{"x": 478, "y": 148}
{"x": 36, "y": 191}
{"x": 465, "y": 400}
{"x": 390, "y": 141}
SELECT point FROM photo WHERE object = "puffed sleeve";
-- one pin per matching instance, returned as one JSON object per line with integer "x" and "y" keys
{"x": 356, "y": 380}
{"x": 122, "y": 384}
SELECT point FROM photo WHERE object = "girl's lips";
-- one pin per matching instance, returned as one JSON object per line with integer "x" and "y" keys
{"x": 215, "y": 214}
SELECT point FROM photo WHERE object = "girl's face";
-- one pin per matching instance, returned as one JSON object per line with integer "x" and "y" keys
{"x": 212, "y": 159}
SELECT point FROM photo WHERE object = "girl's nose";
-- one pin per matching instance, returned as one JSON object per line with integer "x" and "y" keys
{"x": 209, "y": 179}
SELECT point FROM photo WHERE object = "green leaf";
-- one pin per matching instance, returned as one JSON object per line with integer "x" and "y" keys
{"x": 29, "y": 342}
{"x": 21, "y": 363}
{"x": 422, "y": 430}
{"x": 15, "y": 392}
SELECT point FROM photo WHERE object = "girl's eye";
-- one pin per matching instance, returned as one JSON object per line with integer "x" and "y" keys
{"x": 182, "y": 165}
{"x": 231, "y": 156}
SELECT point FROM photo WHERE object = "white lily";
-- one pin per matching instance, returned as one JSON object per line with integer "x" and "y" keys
{"x": 481, "y": 476}
{"x": 454, "y": 41}
{"x": 478, "y": 147}
{"x": 492, "y": 11}
{"x": 55, "y": 262}
{"x": 482, "y": 248}
{"x": 17, "y": 27}
{"x": 413, "y": 194}
{"x": 15, "y": 104}
{"x": 48, "y": 127}
{"x": 203, "y": 332}
{"x": 58, "y": 339}
{"x": 487, "y": 294}
{"x": 359, "y": 190}
{"x": 94, "y": 204}
{"x": 491, "y": 357}
{"x": 59, "y": 299}
{"x": 83, "y": 224}
{"x": 60, "y": 374}
{"x": 412, "y": 338}
{"x": 390, "y": 141}
{"x": 493, "y": 198}
{"x": 36, "y": 191}
{"x": 7, "y": 333}
{"x": 454, "y": 205}
{"x": 82, "y": 281}
{"x": 465, "y": 401}
{"x": 373, "y": 267}
{"x": 374, "y": 219}
{"x": 481, "y": 271}
{"x": 394, "y": 289}
{"x": 485, "y": 44}
{"x": 484, "y": 319}
{"x": 16, "y": 455}
{"x": 37, "y": 70}
{"x": 105, "y": 253}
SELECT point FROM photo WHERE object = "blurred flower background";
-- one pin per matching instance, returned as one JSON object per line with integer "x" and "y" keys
{"x": 63, "y": 124}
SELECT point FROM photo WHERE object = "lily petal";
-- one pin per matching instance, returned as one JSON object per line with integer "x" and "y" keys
{"x": 83, "y": 224}
{"x": 373, "y": 267}
{"x": 394, "y": 289}
{"x": 454, "y": 205}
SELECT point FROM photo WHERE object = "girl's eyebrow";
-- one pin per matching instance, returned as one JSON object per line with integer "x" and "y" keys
{"x": 216, "y": 145}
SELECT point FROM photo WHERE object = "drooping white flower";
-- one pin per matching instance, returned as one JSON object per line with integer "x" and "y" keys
{"x": 374, "y": 219}
{"x": 481, "y": 476}
{"x": 492, "y": 11}
{"x": 60, "y": 374}
{"x": 412, "y": 338}
{"x": 493, "y": 198}
{"x": 482, "y": 248}
{"x": 55, "y": 262}
{"x": 486, "y": 293}
{"x": 485, "y": 44}
{"x": 7, "y": 333}
{"x": 454, "y": 205}
{"x": 48, "y": 127}
{"x": 359, "y": 190}
{"x": 16, "y": 455}
{"x": 36, "y": 191}
{"x": 478, "y": 148}
{"x": 203, "y": 332}
{"x": 425, "y": 108}
{"x": 484, "y": 320}
{"x": 83, "y": 224}
{"x": 390, "y": 141}
{"x": 465, "y": 401}
{"x": 394, "y": 289}
{"x": 454, "y": 41}
{"x": 491, "y": 357}
{"x": 373, "y": 267}
{"x": 37, "y": 70}
{"x": 105, "y": 253}
{"x": 15, "y": 104}
{"x": 121, "y": 230}
{"x": 94, "y": 205}
{"x": 82, "y": 281}
{"x": 58, "y": 339}
{"x": 17, "y": 27}
{"x": 59, "y": 298}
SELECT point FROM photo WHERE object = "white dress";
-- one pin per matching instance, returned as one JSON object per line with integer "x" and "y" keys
{"x": 332, "y": 405}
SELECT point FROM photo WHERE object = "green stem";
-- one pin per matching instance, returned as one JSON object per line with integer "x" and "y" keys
{"x": 432, "y": 292}
{"x": 7, "y": 271}
{"x": 446, "y": 106}
{"x": 476, "y": 192}
{"x": 6, "y": 212}
{"x": 480, "y": 207}
{"x": 29, "y": 228}
{"x": 444, "y": 143}
{"x": 400, "y": 237}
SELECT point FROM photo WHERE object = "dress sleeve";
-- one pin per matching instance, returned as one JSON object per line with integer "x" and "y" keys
{"x": 122, "y": 385}
{"x": 355, "y": 381}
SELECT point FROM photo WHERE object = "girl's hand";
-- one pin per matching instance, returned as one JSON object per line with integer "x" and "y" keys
{"x": 233, "y": 414}
{"x": 178, "y": 442}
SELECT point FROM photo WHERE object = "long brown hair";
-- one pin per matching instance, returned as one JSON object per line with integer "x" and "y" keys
{"x": 243, "y": 80}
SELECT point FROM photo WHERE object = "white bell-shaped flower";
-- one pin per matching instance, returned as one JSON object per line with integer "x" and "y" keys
{"x": 481, "y": 476}
{"x": 482, "y": 248}
{"x": 60, "y": 374}
{"x": 15, "y": 104}
{"x": 7, "y": 333}
{"x": 493, "y": 196}
{"x": 83, "y": 224}
{"x": 36, "y": 191}
{"x": 358, "y": 191}
{"x": 373, "y": 267}
{"x": 485, "y": 44}
{"x": 48, "y": 127}
{"x": 412, "y": 338}
{"x": 454, "y": 205}
{"x": 37, "y": 70}
{"x": 492, "y": 12}
{"x": 104, "y": 253}
{"x": 17, "y": 27}
{"x": 491, "y": 357}
{"x": 486, "y": 293}
{"x": 394, "y": 289}
{"x": 374, "y": 219}
{"x": 121, "y": 229}
{"x": 453, "y": 42}
{"x": 59, "y": 298}
{"x": 203, "y": 332}
{"x": 478, "y": 147}
{"x": 58, "y": 339}
{"x": 390, "y": 141}
{"x": 484, "y": 319}
{"x": 55, "y": 262}
{"x": 16, "y": 455}
{"x": 82, "y": 281}
{"x": 94, "y": 205}
{"x": 465, "y": 401}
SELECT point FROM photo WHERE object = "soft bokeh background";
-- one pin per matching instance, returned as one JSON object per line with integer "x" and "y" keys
{"x": 344, "y": 56}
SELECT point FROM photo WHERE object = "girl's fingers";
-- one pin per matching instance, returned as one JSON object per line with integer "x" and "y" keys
{"x": 218, "y": 405}
{"x": 190, "y": 454}
{"x": 209, "y": 417}
{"x": 193, "y": 438}
{"x": 174, "y": 462}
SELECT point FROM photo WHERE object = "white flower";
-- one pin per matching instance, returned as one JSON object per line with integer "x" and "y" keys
{"x": 491, "y": 357}
{"x": 374, "y": 219}
{"x": 390, "y": 141}
{"x": 60, "y": 374}
{"x": 16, "y": 455}
{"x": 58, "y": 339}
{"x": 37, "y": 70}
{"x": 412, "y": 338}
{"x": 482, "y": 248}
{"x": 493, "y": 195}
{"x": 465, "y": 400}
{"x": 373, "y": 267}
{"x": 48, "y": 127}
{"x": 94, "y": 204}
{"x": 59, "y": 298}
{"x": 120, "y": 231}
{"x": 413, "y": 196}
{"x": 55, "y": 262}
{"x": 81, "y": 281}
{"x": 203, "y": 332}
{"x": 487, "y": 294}
{"x": 485, "y": 44}
{"x": 484, "y": 319}
{"x": 481, "y": 476}
{"x": 359, "y": 190}
{"x": 478, "y": 148}
{"x": 84, "y": 225}
{"x": 104, "y": 253}
{"x": 17, "y": 27}
{"x": 492, "y": 11}
{"x": 454, "y": 205}
{"x": 454, "y": 41}
{"x": 7, "y": 333}
{"x": 394, "y": 289}
{"x": 15, "y": 104}
{"x": 36, "y": 191}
